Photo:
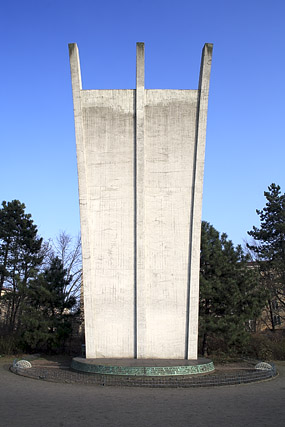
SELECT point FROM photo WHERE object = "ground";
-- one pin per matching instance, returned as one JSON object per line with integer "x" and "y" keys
{"x": 25, "y": 402}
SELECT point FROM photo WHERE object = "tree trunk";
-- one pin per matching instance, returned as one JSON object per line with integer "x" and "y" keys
{"x": 205, "y": 345}
{"x": 271, "y": 316}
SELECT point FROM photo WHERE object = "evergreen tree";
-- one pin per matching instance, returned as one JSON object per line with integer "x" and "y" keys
{"x": 270, "y": 250}
{"x": 47, "y": 314}
{"x": 20, "y": 259}
{"x": 229, "y": 292}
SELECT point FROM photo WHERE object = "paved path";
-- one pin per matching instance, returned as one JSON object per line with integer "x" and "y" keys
{"x": 25, "y": 402}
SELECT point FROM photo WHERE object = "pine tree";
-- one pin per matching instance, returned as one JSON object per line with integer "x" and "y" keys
{"x": 20, "y": 259}
{"x": 229, "y": 292}
{"x": 48, "y": 311}
{"x": 270, "y": 250}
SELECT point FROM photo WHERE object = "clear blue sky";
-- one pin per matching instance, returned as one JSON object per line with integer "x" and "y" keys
{"x": 245, "y": 136}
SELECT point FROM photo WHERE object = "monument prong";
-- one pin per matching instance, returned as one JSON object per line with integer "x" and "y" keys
{"x": 140, "y": 73}
{"x": 75, "y": 67}
{"x": 139, "y": 202}
{"x": 196, "y": 205}
{"x": 82, "y": 176}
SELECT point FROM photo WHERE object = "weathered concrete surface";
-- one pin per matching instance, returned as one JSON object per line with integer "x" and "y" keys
{"x": 140, "y": 166}
{"x": 109, "y": 206}
{"x": 169, "y": 163}
{"x": 25, "y": 402}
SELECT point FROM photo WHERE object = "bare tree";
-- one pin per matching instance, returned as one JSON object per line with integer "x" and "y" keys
{"x": 68, "y": 250}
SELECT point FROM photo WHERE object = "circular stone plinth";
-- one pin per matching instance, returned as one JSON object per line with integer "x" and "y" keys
{"x": 143, "y": 367}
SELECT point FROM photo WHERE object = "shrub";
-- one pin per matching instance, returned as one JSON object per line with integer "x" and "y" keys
{"x": 267, "y": 345}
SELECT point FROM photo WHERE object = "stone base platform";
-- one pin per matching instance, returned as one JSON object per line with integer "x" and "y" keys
{"x": 143, "y": 367}
{"x": 58, "y": 371}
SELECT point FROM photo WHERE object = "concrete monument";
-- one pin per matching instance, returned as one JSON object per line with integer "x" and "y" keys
{"x": 140, "y": 156}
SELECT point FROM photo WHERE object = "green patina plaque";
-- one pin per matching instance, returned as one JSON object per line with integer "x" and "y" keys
{"x": 142, "y": 371}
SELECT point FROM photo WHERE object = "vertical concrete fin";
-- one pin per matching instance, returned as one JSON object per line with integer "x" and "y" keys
{"x": 191, "y": 350}
{"x": 140, "y": 65}
{"x": 139, "y": 204}
{"x": 75, "y": 67}
{"x": 78, "y": 122}
{"x": 81, "y": 168}
{"x": 205, "y": 69}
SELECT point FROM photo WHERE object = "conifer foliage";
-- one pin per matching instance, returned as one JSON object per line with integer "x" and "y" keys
{"x": 229, "y": 292}
{"x": 47, "y": 313}
{"x": 20, "y": 259}
{"x": 269, "y": 251}
{"x": 35, "y": 301}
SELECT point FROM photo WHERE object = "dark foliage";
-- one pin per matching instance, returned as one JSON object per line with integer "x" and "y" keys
{"x": 36, "y": 302}
{"x": 269, "y": 250}
{"x": 20, "y": 260}
{"x": 47, "y": 314}
{"x": 229, "y": 292}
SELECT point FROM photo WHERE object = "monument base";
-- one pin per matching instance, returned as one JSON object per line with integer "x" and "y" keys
{"x": 143, "y": 367}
